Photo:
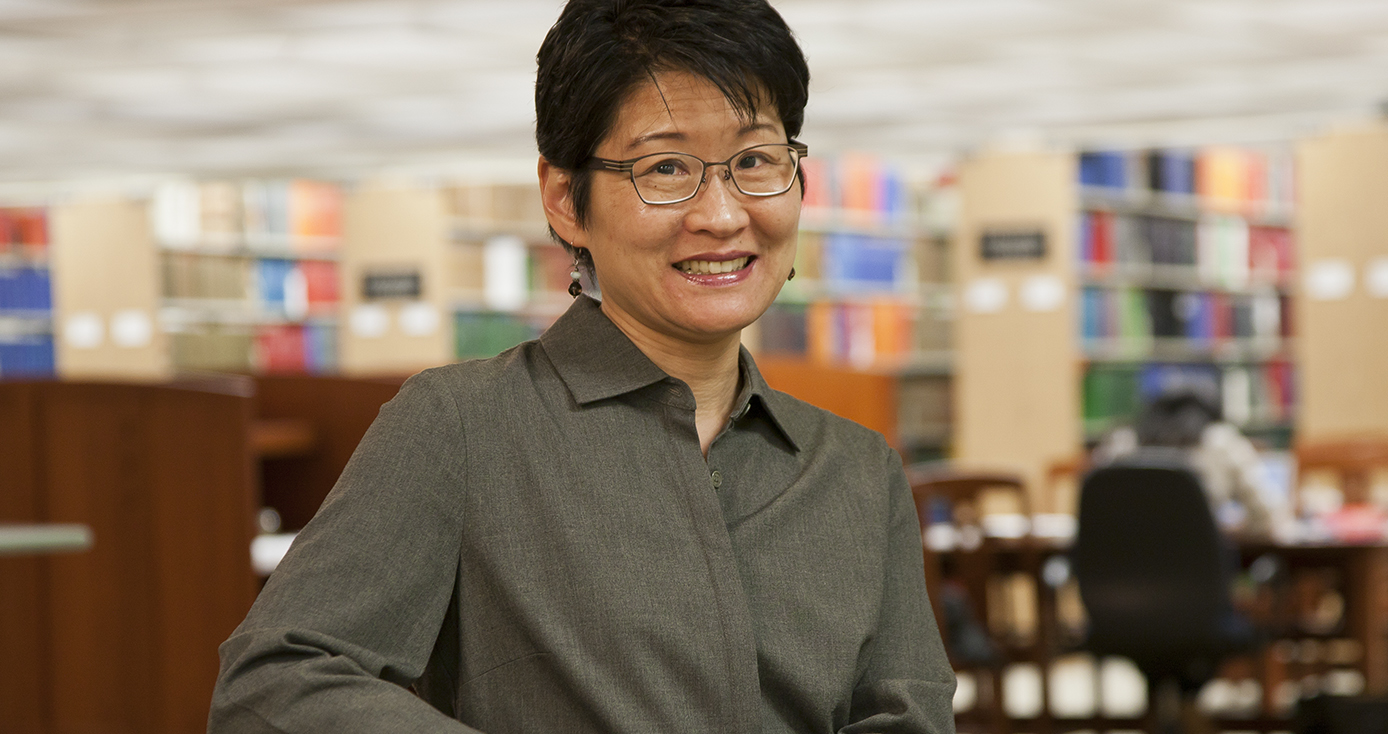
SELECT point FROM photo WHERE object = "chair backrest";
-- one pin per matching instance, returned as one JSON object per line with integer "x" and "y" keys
{"x": 929, "y": 482}
{"x": 1151, "y": 565}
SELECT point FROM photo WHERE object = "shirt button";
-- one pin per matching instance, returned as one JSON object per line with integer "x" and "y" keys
{"x": 743, "y": 413}
{"x": 717, "y": 478}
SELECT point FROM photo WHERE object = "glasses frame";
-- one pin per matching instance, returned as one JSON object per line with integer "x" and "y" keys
{"x": 628, "y": 167}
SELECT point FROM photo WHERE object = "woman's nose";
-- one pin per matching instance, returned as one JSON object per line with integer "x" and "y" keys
{"x": 717, "y": 208}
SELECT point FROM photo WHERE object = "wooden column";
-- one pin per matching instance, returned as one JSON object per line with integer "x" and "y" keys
{"x": 395, "y": 231}
{"x": 1342, "y": 327}
{"x": 1017, "y": 368}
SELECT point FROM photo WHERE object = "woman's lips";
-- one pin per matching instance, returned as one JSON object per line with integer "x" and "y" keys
{"x": 716, "y": 272}
{"x": 712, "y": 267}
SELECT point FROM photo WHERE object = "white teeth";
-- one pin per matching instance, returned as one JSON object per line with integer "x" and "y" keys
{"x": 711, "y": 267}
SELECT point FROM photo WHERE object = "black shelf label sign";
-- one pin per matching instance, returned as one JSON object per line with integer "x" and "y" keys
{"x": 1014, "y": 245}
{"x": 392, "y": 284}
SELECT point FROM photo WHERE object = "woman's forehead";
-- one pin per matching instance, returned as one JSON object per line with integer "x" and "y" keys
{"x": 678, "y": 106}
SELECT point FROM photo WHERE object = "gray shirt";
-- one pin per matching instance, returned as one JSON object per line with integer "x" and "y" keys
{"x": 534, "y": 543}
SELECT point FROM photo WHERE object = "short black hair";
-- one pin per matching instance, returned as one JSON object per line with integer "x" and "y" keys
{"x": 600, "y": 50}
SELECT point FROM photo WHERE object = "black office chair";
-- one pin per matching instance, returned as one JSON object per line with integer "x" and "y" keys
{"x": 1154, "y": 573}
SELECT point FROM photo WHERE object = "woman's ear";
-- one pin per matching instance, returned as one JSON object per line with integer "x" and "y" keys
{"x": 556, "y": 193}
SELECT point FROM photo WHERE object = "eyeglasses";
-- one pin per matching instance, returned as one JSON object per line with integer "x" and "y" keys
{"x": 669, "y": 178}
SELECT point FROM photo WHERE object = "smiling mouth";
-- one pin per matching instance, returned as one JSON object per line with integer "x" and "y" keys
{"x": 712, "y": 267}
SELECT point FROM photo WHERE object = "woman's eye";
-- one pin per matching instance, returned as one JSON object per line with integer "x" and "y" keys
{"x": 750, "y": 160}
{"x": 668, "y": 167}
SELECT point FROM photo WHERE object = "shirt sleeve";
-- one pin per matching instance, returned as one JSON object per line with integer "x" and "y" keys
{"x": 1249, "y": 485}
{"x": 908, "y": 684}
{"x": 350, "y": 617}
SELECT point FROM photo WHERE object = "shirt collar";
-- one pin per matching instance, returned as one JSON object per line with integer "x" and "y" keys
{"x": 597, "y": 361}
{"x": 593, "y": 357}
{"x": 755, "y": 392}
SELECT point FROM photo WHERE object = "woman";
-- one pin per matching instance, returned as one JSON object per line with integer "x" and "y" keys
{"x": 618, "y": 527}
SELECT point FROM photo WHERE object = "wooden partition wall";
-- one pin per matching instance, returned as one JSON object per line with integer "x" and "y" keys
{"x": 123, "y": 638}
{"x": 869, "y": 399}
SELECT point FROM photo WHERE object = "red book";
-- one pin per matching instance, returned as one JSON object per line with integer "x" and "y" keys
{"x": 1222, "y": 312}
{"x": 1103, "y": 237}
{"x": 280, "y": 349}
{"x": 321, "y": 279}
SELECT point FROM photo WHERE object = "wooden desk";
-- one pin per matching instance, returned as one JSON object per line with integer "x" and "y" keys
{"x": 1363, "y": 569}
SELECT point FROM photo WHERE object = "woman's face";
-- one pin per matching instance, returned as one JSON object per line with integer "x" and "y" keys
{"x": 653, "y": 261}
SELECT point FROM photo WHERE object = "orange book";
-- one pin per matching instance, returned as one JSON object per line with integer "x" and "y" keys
{"x": 315, "y": 210}
{"x": 1222, "y": 174}
{"x": 891, "y": 330}
{"x": 822, "y": 336}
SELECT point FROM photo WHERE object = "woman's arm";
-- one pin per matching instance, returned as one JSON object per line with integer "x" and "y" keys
{"x": 350, "y": 617}
{"x": 908, "y": 685}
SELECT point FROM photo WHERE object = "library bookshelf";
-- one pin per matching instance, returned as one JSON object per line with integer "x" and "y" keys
{"x": 1089, "y": 283}
{"x": 26, "y": 305}
{"x": 212, "y": 276}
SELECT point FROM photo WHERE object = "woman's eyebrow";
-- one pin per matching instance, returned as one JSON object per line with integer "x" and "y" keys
{"x": 640, "y": 140}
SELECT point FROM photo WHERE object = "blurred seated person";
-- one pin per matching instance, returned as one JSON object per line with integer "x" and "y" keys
{"x": 1189, "y": 420}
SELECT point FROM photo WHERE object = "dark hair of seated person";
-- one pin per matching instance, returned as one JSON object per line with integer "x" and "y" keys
{"x": 1177, "y": 419}
{"x": 600, "y": 50}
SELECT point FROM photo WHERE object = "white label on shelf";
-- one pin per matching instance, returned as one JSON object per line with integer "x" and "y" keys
{"x": 419, "y": 319}
{"x": 131, "y": 328}
{"x": 986, "y": 295}
{"x": 369, "y": 321}
{"x": 504, "y": 269}
{"x": 84, "y": 330}
{"x": 1042, "y": 293}
{"x": 1330, "y": 280}
{"x": 295, "y": 294}
{"x": 1376, "y": 278}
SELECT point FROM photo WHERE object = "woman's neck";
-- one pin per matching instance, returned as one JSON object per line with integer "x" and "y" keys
{"x": 710, "y": 369}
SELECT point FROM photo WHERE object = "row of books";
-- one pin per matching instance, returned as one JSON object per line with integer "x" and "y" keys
{"x": 1219, "y": 173}
{"x": 829, "y": 264}
{"x": 497, "y": 203}
{"x": 272, "y": 213}
{"x": 274, "y": 349}
{"x": 861, "y": 186}
{"x": 26, "y": 356}
{"x": 479, "y": 334}
{"x": 1221, "y": 248}
{"x": 1134, "y": 314}
{"x": 1258, "y": 394}
{"x": 871, "y": 334}
{"x": 25, "y": 289}
{"x": 294, "y": 288}
{"x": 23, "y": 226}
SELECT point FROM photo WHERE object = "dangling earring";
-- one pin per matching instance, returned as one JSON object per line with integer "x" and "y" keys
{"x": 575, "y": 288}
{"x": 792, "y": 274}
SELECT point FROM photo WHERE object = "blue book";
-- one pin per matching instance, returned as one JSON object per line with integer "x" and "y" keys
{"x": 271, "y": 273}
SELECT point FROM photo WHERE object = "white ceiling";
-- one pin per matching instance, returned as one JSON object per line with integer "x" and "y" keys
{"x": 93, "y": 88}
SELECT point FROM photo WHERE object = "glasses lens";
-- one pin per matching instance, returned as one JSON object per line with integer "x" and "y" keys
{"x": 666, "y": 177}
{"x": 764, "y": 169}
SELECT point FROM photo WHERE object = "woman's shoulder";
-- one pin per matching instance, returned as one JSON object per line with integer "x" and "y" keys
{"x": 476, "y": 380}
